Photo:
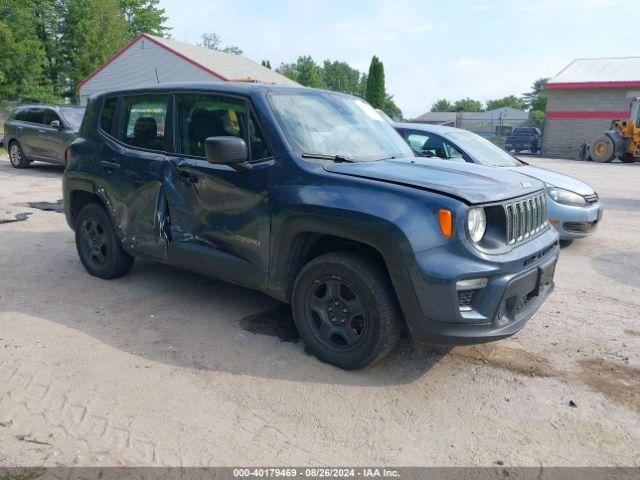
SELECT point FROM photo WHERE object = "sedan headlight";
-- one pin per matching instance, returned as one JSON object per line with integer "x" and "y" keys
{"x": 476, "y": 224}
{"x": 566, "y": 197}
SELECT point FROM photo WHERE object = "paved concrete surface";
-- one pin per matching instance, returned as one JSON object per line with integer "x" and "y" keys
{"x": 165, "y": 367}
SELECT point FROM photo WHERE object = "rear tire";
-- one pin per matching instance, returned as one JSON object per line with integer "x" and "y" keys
{"x": 345, "y": 310}
{"x": 628, "y": 158}
{"x": 98, "y": 246}
{"x": 16, "y": 156}
{"x": 602, "y": 149}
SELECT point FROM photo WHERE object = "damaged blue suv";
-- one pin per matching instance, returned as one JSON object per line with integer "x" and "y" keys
{"x": 311, "y": 197}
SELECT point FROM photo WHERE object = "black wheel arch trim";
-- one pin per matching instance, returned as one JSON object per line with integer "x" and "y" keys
{"x": 310, "y": 227}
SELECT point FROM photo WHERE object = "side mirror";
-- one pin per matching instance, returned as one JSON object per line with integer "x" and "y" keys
{"x": 230, "y": 151}
{"x": 56, "y": 124}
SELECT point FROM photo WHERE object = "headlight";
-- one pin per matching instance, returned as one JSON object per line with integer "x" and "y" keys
{"x": 476, "y": 223}
{"x": 565, "y": 197}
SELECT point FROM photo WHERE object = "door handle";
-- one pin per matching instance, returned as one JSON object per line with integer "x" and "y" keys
{"x": 109, "y": 165}
{"x": 41, "y": 131}
{"x": 20, "y": 128}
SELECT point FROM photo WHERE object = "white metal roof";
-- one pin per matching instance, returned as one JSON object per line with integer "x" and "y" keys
{"x": 599, "y": 71}
{"x": 226, "y": 65}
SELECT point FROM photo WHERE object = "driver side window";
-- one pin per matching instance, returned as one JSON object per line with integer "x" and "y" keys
{"x": 433, "y": 146}
{"x": 428, "y": 145}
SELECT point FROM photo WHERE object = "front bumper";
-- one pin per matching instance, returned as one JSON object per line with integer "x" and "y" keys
{"x": 574, "y": 222}
{"x": 517, "y": 284}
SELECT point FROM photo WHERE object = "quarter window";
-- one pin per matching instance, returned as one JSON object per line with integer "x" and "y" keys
{"x": 22, "y": 115}
{"x": 144, "y": 121}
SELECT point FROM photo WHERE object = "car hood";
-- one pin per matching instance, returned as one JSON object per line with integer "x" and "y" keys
{"x": 555, "y": 179}
{"x": 467, "y": 181}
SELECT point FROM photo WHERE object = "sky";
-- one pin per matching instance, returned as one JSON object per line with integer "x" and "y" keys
{"x": 430, "y": 49}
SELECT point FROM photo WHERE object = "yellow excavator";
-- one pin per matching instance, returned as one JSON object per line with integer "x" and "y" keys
{"x": 621, "y": 141}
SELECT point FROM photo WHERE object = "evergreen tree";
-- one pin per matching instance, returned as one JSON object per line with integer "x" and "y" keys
{"x": 93, "y": 31}
{"x": 266, "y": 63}
{"x": 376, "y": 94}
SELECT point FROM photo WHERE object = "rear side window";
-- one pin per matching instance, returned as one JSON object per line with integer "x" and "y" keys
{"x": 144, "y": 119}
{"x": 107, "y": 115}
{"x": 21, "y": 115}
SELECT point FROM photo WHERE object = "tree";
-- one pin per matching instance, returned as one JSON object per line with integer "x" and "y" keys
{"x": 340, "y": 77}
{"x": 305, "y": 71}
{"x": 144, "y": 16}
{"x": 442, "y": 105}
{"x": 362, "y": 86}
{"x": 536, "y": 89}
{"x": 467, "y": 105}
{"x": 289, "y": 70}
{"x": 93, "y": 31}
{"x": 212, "y": 41}
{"x": 536, "y": 100}
{"x": 376, "y": 94}
{"x": 508, "y": 101}
{"x": 25, "y": 59}
{"x": 266, "y": 63}
{"x": 391, "y": 109}
{"x": 309, "y": 72}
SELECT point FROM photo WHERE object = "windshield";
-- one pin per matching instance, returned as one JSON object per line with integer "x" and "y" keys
{"x": 483, "y": 151}
{"x": 324, "y": 123}
{"x": 73, "y": 115}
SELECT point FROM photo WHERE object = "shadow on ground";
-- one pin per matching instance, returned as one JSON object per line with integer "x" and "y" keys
{"x": 164, "y": 314}
{"x": 623, "y": 267}
{"x": 36, "y": 169}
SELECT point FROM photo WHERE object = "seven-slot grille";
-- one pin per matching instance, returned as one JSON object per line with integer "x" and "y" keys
{"x": 525, "y": 218}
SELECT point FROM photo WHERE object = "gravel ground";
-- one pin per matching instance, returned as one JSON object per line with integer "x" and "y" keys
{"x": 165, "y": 367}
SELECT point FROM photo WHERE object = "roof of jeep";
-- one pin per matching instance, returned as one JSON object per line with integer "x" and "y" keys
{"x": 227, "y": 87}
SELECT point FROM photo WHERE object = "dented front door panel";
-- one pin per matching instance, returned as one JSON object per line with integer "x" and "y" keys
{"x": 220, "y": 219}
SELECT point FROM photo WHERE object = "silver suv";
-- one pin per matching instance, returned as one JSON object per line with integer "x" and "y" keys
{"x": 41, "y": 133}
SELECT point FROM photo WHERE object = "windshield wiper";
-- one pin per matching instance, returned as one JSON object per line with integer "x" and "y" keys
{"x": 335, "y": 158}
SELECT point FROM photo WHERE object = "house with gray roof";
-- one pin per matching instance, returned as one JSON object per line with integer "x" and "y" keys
{"x": 149, "y": 60}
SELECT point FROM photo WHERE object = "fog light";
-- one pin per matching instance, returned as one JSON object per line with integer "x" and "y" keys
{"x": 467, "y": 291}
{"x": 471, "y": 284}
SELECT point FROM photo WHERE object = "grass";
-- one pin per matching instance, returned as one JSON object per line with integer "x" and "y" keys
{"x": 2, "y": 151}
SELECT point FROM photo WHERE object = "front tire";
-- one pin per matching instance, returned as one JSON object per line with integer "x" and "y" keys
{"x": 602, "y": 149}
{"x": 628, "y": 158}
{"x": 345, "y": 310}
{"x": 16, "y": 156}
{"x": 98, "y": 246}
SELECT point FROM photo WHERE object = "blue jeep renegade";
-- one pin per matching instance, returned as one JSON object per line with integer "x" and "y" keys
{"x": 311, "y": 197}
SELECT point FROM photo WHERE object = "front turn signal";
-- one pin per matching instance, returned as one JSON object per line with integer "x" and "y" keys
{"x": 445, "y": 219}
